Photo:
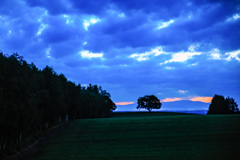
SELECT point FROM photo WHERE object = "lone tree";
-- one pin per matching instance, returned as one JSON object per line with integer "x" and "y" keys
{"x": 149, "y": 102}
{"x": 221, "y": 105}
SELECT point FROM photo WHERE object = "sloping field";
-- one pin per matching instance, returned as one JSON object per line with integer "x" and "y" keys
{"x": 148, "y": 137}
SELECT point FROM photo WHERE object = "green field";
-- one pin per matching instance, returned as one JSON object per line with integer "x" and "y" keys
{"x": 141, "y": 136}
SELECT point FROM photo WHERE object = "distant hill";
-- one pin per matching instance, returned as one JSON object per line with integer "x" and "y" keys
{"x": 184, "y": 105}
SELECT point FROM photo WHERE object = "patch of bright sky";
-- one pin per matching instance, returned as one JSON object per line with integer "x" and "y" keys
{"x": 122, "y": 15}
{"x": 233, "y": 55}
{"x": 145, "y": 56}
{"x": 84, "y": 43}
{"x": 84, "y": 85}
{"x": 189, "y": 16}
{"x": 234, "y": 17}
{"x": 89, "y": 55}
{"x": 89, "y": 21}
{"x": 4, "y": 20}
{"x": 165, "y": 24}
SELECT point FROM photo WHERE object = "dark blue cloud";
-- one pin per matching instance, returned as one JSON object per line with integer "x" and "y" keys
{"x": 115, "y": 24}
{"x": 91, "y": 6}
{"x": 54, "y": 7}
{"x": 165, "y": 9}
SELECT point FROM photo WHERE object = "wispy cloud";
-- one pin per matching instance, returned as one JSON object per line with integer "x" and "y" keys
{"x": 181, "y": 57}
{"x": 124, "y": 103}
{"x": 89, "y": 55}
{"x": 169, "y": 67}
{"x": 172, "y": 99}
{"x": 215, "y": 54}
{"x": 233, "y": 55}
{"x": 193, "y": 47}
{"x": 41, "y": 29}
{"x": 165, "y": 24}
{"x": 89, "y": 21}
{"x": 145, "y": 56}
{"x": 182, "y": 91}
{"x": 234, "y": 17}
{"x": 194, "y": 99}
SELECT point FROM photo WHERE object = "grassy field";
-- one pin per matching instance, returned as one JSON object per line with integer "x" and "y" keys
{"x": 153, "y": 136}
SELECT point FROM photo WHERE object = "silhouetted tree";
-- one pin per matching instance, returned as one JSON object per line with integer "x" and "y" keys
{"x": 232, "y": 105}
{"x": 220, "y": 105}
{"x": 149, "y": 102}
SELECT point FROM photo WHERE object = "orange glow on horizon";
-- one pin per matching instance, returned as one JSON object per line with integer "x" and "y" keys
{"x": 172, "y": 99}
{"x": 199, "y": 99}
{"x": 124, "y": 103}
{"x": 202, "y": 99}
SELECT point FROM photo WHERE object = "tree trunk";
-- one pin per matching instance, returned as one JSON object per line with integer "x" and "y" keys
{"x": 20, "y": 137}
{"x": 2, "y": 142}
{"x": 66, "y": 118}
{"x": 4, "y": 145}
{"x": 46, "y": 125}
{"x": 59, "y": 119}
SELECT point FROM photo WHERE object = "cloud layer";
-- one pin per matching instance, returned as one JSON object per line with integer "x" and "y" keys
{"x": 131, "y": 48}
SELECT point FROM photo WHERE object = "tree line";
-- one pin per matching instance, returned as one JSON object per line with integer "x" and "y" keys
{"x": 32, "y": 100}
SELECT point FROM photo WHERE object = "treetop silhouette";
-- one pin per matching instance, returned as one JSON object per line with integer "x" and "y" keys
{"x": 149, "y": 102}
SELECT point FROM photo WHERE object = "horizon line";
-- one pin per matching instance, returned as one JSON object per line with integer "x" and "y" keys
{"x": 176, "y": 99}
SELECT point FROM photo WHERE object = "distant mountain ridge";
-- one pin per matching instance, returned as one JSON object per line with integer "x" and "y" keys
{"x": 185, "y": 105}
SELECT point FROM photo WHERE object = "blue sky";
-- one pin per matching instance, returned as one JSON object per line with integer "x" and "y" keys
{"x": 176, "y": 50}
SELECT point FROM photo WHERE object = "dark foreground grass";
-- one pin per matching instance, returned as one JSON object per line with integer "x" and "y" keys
{"x": 147, "y": 137}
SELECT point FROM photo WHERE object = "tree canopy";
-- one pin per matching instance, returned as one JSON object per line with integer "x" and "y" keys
{"x": 149, "y": 102}
{"x": 221, "y": 105}
{"x": 32, "y": 100}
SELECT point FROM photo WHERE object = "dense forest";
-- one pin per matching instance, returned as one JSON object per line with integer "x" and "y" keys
{"x": 32, "y": 100}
